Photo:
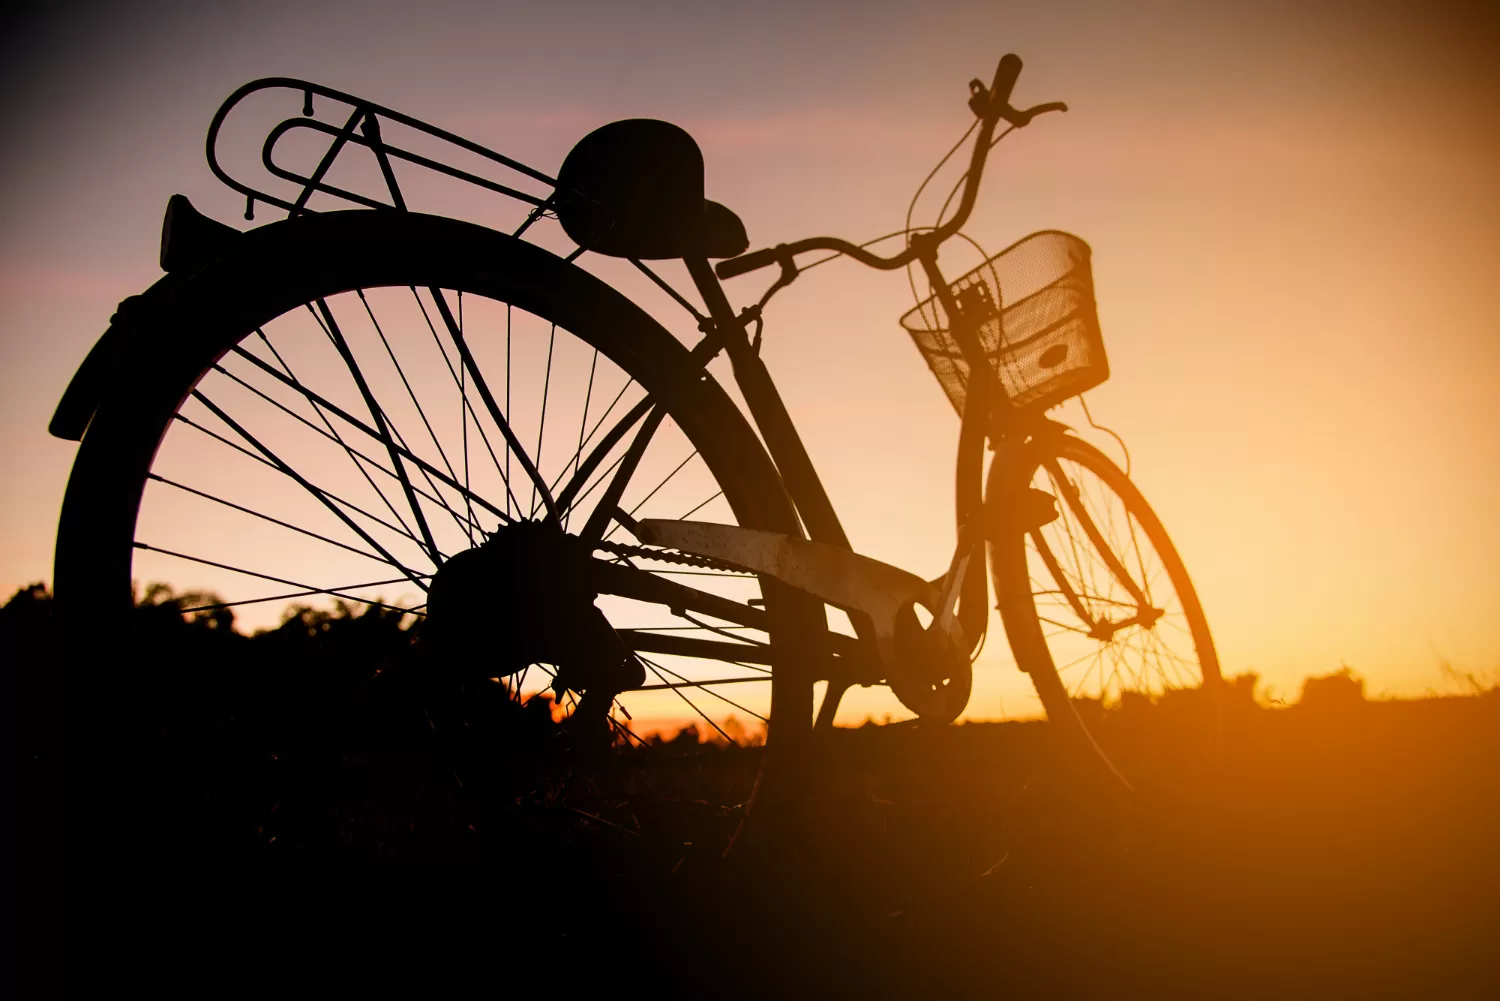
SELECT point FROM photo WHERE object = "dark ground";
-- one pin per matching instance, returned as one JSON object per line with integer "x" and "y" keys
{"x": 1338, "y": 848}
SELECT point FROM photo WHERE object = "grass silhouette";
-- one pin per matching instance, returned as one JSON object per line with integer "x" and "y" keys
{"x": 1341, "y": 846}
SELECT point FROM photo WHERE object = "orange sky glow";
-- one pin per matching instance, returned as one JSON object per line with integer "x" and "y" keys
{"x": 1294, "y": 219}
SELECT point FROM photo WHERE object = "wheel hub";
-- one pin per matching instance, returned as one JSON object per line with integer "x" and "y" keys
{"x": 523, "y": 598}
{"x": 1104, "y": 630}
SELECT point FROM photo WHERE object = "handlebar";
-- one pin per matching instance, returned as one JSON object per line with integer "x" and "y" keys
{"x": 991, "y": 105}
{"x": 1007, "y": 72}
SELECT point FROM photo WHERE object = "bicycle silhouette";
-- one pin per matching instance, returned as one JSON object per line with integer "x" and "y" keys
{"x": 347, "y": 402}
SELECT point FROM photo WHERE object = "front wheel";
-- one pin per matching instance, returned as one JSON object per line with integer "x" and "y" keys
{"x": 1099, "y": 610}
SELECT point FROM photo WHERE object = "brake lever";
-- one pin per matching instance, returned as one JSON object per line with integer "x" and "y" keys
{"x": 979, "y": 98}
{"x": 983, "y": 104}
{"x": 1021, "y": 119}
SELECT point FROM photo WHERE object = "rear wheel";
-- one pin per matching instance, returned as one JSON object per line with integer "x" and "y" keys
{"x": 362, "y": 424}
{"x": 1100, "y": 611}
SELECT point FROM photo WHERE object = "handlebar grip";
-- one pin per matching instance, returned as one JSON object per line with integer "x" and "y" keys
{"x": 746, "y": 263}
{"x": 1005, "y": 78}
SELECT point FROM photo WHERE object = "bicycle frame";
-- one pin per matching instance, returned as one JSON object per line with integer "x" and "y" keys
{"x": 986, "y": 417}
{"x": 801, "y": 479}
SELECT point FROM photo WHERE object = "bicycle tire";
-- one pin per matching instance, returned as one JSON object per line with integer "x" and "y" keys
{"x": 1088, "y": 685}
{"x": 273, "y": 271}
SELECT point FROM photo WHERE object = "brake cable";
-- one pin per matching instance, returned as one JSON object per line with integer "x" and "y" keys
{"x": 790, "y": 271}
{"x": 1100, "y": 427}
{"x": 911, "y": 281}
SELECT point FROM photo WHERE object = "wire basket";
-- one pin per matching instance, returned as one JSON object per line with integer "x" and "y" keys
{"x": 1037, "y": 323}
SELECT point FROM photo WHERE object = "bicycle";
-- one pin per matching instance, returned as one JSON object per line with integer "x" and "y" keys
{"x": 219, "y": 381}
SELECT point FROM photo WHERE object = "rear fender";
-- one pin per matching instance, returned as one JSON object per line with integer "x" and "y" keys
{"x": 189, "y": 240}
{"x": 79, "y": 401}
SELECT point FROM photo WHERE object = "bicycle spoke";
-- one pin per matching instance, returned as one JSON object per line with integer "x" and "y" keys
{"x": 541, "y": 426}
{"x": 678, "y": 692}
{"x": 459, "y": 377}
{"x": 1174, "y": 656}
{"x": 1186, "y": 633}
{"x": 583, "y": 420}
{"x": 468, "y": 529}
{"x": 656, "y": 488}
{"x": 378, "y": 416}
{"x": 685, "y": 683}
{"x": 508, "y": 369}
{"x": 1049, "y": 559}
{"x": 1060, "y": 486}
{"x": 1114, "y": 672}
{"x": 1140, "y": 559}
{"x": 571, "y": 495}
{"x": 1151, "y": 662}
{"x": 297, "y": 594}
{"x": 327, "y": 493}
{"x": 266, "y": 517}
{"x": 1106, "y": 555}
{"x": 723, "y": 631}
{"x": 1083, "y": 552}
{"x": 332, "y": 431}
{"x": 593, "y": 529}
{"x": 477, "y": 377}
{"x": 629, "y": 733}
{"x": 607, "y": 411}
{"x": 1078, "y": 660}
{"x": 1096, "y": 663}
{"x": 603, "y": 478}
{"x": 695, "y": 510}
{"x": 355, "y": 422}
{"x": 1063, "y": 625}
{"x": 198, "y": 395}
{"x": 354, "y": 453}
{"x": 436, "y": 495}
{"x": 463, "y": 408}
{"x": 276, "y": 580}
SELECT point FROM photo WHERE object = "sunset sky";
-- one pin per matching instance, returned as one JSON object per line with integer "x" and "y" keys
{"x": 1293, "y": 210}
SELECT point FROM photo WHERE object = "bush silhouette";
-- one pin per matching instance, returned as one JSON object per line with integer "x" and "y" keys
{"x": 1340, "y": 691}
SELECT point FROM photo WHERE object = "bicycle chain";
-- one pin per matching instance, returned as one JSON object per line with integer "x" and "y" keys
{"x": 686, "y": 559}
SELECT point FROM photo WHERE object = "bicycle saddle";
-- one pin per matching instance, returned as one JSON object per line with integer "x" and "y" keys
{"x": 635, "y": 189}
